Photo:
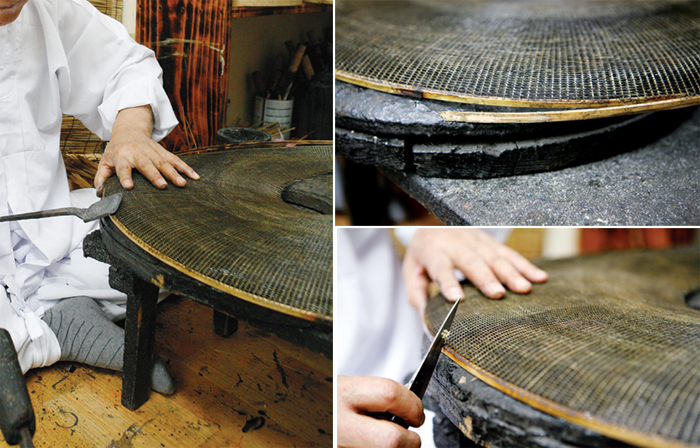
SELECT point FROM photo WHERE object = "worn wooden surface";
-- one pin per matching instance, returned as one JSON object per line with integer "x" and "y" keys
{"x": 238, "y": 12}
{"x": 140, "y": 334}
{"x": 252, "y": 389}
{"x": 191, "y": 41}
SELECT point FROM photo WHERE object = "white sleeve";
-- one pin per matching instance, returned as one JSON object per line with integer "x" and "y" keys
{"x": 108, "y": 71}
{"x": 406, "y": 234}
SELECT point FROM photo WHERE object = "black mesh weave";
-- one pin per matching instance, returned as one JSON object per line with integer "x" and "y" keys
{"x": 607, "y": 341}
{"x": 539, "y": 52}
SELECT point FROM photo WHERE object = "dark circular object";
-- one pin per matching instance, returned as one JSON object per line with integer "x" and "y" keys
{"x": 481, "y": 158}
{"x": 537, "y": 53}
{"x": 488, "y": 416}
{"x": 608, "y": 343}
{"x": 241, "y": 135}
{"x": 233, "y": 231}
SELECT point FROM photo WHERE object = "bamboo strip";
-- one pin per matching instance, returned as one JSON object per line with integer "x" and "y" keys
{"x": 568, "y": 115}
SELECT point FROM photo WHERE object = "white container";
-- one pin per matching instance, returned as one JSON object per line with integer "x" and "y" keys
{"x": 268, "y": 111}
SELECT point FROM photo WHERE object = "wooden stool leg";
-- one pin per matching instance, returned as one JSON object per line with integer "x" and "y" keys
{"x": 224, "y": 325}
{"x": 138, "y": 343}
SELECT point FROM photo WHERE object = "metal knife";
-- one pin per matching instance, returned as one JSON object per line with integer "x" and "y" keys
{"x": 99, "y": 209}
{"x": 419, "y": 382}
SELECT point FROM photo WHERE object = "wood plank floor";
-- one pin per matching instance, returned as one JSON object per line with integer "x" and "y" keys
{"x": 250, "y": 390}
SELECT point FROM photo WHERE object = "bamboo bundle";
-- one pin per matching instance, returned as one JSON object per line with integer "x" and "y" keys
{"x": 273, "y": 129}
{"x": 112, "y": 8}
{"x": 81, "y": 151}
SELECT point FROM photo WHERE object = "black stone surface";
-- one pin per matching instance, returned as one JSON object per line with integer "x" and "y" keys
{"x": 656, "y": 185}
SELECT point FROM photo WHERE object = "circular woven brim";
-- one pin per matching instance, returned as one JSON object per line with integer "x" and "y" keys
{"x": 607, "y": 343}
{"x": 540, "y": 53}
{"x": 231, "y": 229}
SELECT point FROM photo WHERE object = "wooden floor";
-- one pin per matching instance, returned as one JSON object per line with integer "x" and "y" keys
{"x": 250, "y": 390}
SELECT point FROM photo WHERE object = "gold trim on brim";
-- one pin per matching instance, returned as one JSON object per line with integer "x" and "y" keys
{"x": 578, "y": 110}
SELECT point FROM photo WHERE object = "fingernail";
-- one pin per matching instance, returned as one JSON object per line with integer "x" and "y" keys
{"x": 522, "y": 285}
{"x": 540, "y": 275}
{"x": 195, "y": 176}
{"x": 181, "y": 181}
{"x": 454, "y": 293}
{"x": 128, "y": 184}
{"x": 160, "y": 183}
{"x": 99, "y": 189}
{"x": 495, "y": 291}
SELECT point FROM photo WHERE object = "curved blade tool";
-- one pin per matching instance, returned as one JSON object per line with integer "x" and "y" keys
{"x": 99, "y": 209}
{"x": 419, "y": 382}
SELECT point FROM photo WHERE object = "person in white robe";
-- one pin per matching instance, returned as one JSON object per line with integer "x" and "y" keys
{"x": 379, "y": 303}
{"x": 64, "y": 57}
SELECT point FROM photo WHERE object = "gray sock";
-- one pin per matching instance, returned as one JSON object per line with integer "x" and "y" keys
{"x": 88, "y": 336}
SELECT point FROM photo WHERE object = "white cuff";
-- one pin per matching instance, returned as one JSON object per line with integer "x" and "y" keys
{"x": 137, "y": 94}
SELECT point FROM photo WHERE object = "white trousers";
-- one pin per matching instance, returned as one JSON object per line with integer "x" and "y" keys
{"x": 35, "y": 286}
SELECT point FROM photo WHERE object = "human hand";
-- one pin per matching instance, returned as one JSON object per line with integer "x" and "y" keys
{"x": 131, "y": 147}
{"x": 434, "y": 254}
{"x": 359, "y": 396}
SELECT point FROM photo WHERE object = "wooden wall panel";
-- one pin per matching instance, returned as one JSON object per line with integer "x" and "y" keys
{"x": 191, "y": 40}
{"x": 600, "y": 240}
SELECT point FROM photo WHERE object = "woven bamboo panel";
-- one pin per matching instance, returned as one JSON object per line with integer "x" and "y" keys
{"x": 81, "y": 148}
{"x": 535, "y": 53}
{"x": 607, "y": 343}
{"x": 232, "y": 230}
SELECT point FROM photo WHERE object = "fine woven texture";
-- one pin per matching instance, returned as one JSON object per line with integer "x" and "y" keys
{"x": 232, "y": 227}
{"x": 583, "y": 53}
{"x": 608, "y": 340}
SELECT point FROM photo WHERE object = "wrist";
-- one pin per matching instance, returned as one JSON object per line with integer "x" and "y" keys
{"x": 134, "y": 119}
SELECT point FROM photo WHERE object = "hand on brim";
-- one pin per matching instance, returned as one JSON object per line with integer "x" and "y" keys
{"x": 131, "y": 147}
{"x": 434, "y": 254}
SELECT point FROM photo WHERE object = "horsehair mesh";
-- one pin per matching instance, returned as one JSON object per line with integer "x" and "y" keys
{"x": 583, "y": 53}
{"x": 608, "y": 339}
{"x": 232, "y": 227}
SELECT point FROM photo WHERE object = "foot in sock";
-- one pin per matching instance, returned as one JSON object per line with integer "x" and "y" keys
{"x": 88, "y": 336}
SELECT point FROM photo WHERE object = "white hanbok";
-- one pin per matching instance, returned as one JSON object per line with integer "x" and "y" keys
{"x": 59, "y": 56}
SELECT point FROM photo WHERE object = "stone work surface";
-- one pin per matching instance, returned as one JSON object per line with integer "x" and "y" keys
{"x": 656, "y": 185}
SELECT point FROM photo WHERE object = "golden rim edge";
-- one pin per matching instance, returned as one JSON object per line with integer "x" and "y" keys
{"x": 579, "y": 110}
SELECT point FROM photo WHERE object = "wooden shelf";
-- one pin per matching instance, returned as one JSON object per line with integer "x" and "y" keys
{"x": 247, "y": 11}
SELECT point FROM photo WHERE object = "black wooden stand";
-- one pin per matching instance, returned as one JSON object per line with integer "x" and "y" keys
{"x": 140, "y": 275}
